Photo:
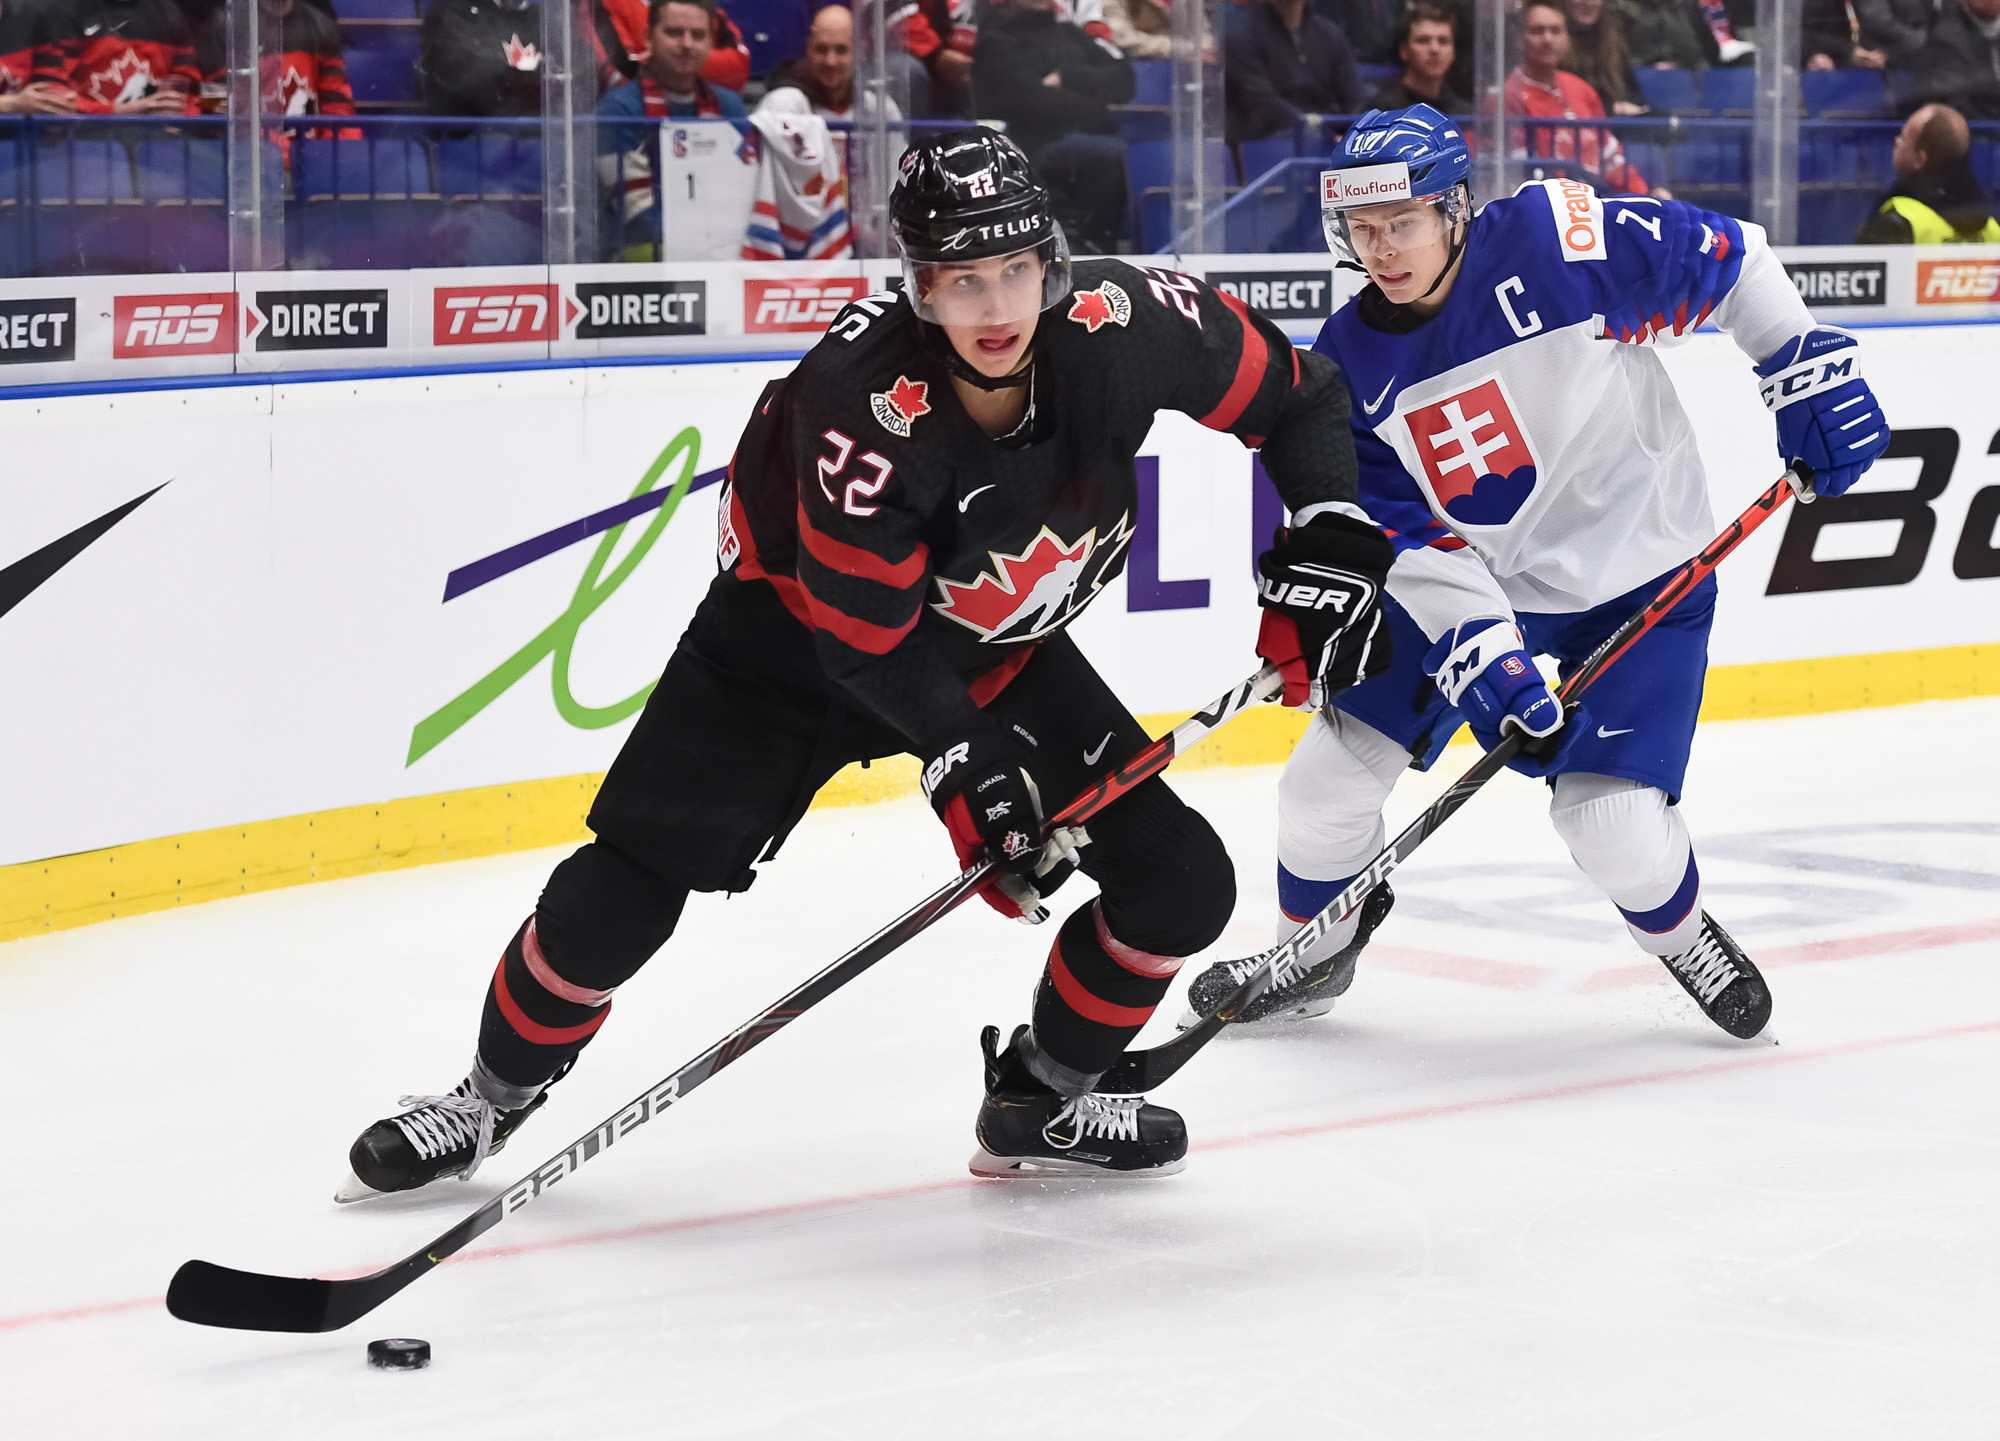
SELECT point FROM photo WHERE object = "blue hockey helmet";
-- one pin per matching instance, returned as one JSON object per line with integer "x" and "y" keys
{"x": 1391, "y": 155}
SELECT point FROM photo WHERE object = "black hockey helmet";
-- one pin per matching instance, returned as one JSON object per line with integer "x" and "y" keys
{"x": 969, "y": 195}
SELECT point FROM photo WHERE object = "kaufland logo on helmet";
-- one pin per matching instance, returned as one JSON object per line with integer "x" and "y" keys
{"x": 1365, "y": 185}
{"x": 999, "y": 230}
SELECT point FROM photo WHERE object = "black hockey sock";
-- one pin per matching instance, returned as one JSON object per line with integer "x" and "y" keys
{"x": 534, "y": 1021}
{"x": 1095, "y": 994}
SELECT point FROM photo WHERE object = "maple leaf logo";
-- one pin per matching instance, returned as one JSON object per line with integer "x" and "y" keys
{"x": 295, "y": 92}
{"x": 906, "y": 400}
{"x": 521, "y": 57}
{"x": 125, "y": 78}
{"x": 1106, "y": 305}
{"x": 1027, "y": 596}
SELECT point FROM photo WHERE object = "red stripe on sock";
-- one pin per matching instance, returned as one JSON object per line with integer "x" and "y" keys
{"x": 533, "y": 1032}
{"x": 1090, "y": 1007}
{"x": 547, "y": 979}
{"x": 1138, "y": 962}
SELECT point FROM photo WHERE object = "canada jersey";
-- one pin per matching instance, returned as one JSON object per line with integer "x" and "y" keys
{"x": 915, "y": 546}
{"x": 112, "y": 52}
{"x": 1524, "y": 448}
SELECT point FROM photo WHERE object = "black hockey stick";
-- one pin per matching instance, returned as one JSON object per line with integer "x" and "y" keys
{"x": 211, "y": 1295}
{"x": 1140, "y": 1071}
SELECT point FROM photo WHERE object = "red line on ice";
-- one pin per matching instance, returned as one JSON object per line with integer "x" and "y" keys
{"x": 1772, "y": 1057}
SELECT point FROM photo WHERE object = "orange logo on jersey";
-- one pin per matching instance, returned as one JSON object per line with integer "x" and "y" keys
{"x": 906, "y": 400}
{"x": 1027, "y": 596}
{"x": 1106, "y": 305}
{"x": 1475, "y": 454}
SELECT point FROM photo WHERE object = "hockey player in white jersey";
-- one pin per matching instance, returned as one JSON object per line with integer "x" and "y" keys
{"x": 1523, "y": 447}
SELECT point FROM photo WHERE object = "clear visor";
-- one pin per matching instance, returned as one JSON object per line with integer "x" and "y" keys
{"x": 992, "y": 290}
{"x": 1379, "y": 232}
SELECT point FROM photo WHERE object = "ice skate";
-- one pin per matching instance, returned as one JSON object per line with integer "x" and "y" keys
{"x": 1026, "y": 1129}
{"x": 450, "y": 1135}
{"x": 1296, "y": 996}
{"x": 1722, "y": 981}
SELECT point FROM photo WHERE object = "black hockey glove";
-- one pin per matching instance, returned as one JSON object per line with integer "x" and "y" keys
{"x": 1321, "y": 590}
{"x": 984, "y": 792}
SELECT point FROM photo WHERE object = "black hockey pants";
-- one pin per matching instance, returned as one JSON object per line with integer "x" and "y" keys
{"x": 743, "y": 728}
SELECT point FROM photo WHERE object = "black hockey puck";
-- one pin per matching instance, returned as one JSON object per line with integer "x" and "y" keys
{"x": 399, "y": 1353}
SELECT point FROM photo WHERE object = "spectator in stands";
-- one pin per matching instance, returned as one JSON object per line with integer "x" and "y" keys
{"x": 1281, "y": 63}
{"x": 1960, "y": 63}
{"x": 1936, "y": 199}
{"x": 1598, "y": 57}
{"x": 1370, "y": 28}
{"x": 1054, "y": 86}
{"x": 20, "y": 92}
{"x": 303, "y": 70}
{"x": 1862, "y": 34}
{"x": 940, "y": 36}
{"x": 1141, "y": 28}
{"x": 1425, "y": 41}
{"x": 679, "y": 37}
{"x": 482, "y": 57}
{"x": 825, "y": 74}
{"x": 1667, "y": 34}
{"x": 618, "y": 29}
{"x": 1540, "y": 88}
{"x": 118, "y": 57}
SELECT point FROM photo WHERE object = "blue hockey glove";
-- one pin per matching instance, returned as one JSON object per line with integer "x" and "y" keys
{"x": 1484, "y": 669}
{"x": 1827, "y": 416}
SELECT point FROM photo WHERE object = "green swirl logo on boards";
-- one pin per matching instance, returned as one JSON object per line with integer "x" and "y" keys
{"x": 557, "y": 640}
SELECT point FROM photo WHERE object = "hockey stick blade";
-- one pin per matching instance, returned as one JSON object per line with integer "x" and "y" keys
{"x": 211, "y": 1295}
{"x": 1140, "y": 1071}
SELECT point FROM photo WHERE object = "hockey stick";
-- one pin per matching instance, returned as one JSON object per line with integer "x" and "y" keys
{"x": 211, "y": 1295}
{"x": 1140, "y": 1071}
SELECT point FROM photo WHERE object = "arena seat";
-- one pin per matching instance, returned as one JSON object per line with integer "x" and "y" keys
{"x": 1258, "y": 157}
{"x": 1729, "y": 90}
{"x": 1850, "y": 93}
{"x": 773, "y": 30}
{"x": 490, "y": 166}
{"x": 1671, "y": 90}
{"x": 348, "y": 11}
{"x": 382, "y": 61}
{"x": 1155, "y": 82}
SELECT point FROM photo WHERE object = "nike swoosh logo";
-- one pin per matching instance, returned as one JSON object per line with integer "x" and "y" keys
{"x": 972, "y": 497}
{"x": 1090, "y": 757}
{"x": 92, "y": 29}
{"x": 1371, "y": 409}
{"x": 1605, "y": 735}
{"x": 28, "y": 574}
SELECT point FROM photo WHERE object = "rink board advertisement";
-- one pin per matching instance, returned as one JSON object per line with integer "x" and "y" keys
{"x": 221, "y": 606}
{"x": 91, "y": 328}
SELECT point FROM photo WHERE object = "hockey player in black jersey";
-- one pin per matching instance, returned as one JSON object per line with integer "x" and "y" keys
{"x": 913, "y": 518}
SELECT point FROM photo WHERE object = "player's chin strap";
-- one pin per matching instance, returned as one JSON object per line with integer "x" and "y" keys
{"x": 1457, "y": 249}
{"x": 955, "y": 363}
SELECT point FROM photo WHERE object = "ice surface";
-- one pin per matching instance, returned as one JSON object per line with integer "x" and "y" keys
{"x": 1514, "y": 1186}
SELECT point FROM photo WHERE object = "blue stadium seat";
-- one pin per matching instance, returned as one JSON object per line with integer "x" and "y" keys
{"x": 1672, "y": 90}
{"x": 1844, "y": 92}
{"x": 14, "y": 259}
{"x": 774, "y": 29}
{"x": 1731, "y": 90}
{"x": 1155, "y": 82}
{"x": 1374, "y": 77}
{"x": 351, "y": 10}
{"x": 183, "y": 171}
{"x": 382, "y": 65}
{"x": 490, "y": 167}
{"x": 1259, "y": 156}
{"x": 1152, "y": 122}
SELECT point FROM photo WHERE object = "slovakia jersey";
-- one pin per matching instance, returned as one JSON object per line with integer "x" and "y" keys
{"x": 1524, "y": 448}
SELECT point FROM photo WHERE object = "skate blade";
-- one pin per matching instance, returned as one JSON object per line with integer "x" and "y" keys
{"x": 1265, "y": 1025}
{"x": 1031, "y": 1168}
{"x": 355, "y": 1189}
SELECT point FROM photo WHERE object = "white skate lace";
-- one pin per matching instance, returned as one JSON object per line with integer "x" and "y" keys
{"x": 1115, "y": 1118}
{"x": 1707, "y": 967}
{"x": 444, "y": 1123}
{"x": 1288, "y": 972}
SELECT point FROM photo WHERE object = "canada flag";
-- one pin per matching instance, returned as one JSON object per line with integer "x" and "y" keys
{"x": 1477, "y": 459}
{"x": 903, "y": 403}
{"x": 1029, "y": 595}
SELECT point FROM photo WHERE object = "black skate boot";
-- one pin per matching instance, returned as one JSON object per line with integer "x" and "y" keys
{"x": 1026, "y": 1129}
{"x": 439, "y": 1136}
{"x": 1294, "y": 995}
{"x": 1722, "y": 981}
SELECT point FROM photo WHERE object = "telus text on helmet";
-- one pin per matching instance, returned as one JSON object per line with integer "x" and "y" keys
{"x": 999, "y": 230}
